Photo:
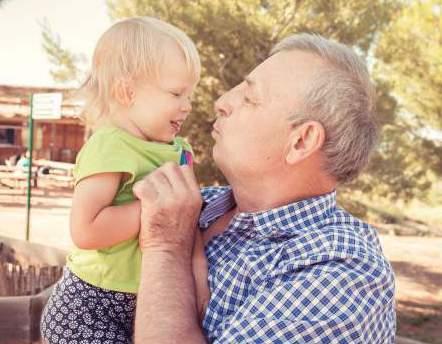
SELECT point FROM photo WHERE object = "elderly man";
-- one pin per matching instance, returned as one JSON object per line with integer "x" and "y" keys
{"x": 286, "y": 264}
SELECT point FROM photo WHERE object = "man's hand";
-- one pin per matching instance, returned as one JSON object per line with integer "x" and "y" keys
{"x": 170, "y": 206}
{"x": 167, "y": 310}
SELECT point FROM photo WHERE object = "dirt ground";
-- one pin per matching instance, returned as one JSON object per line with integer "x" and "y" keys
{"x": 417, "y": 261}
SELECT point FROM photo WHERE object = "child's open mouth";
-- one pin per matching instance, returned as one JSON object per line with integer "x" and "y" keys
{"x": 176, "y": 125}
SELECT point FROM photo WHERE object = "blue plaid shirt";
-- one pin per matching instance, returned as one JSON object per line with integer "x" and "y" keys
{"x": 307, "y": 272}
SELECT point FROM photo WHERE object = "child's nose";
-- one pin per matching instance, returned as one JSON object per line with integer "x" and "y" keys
{"x": 187, "y": 106}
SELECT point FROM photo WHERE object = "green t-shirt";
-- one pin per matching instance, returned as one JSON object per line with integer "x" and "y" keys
{"x": 111, "y": 149}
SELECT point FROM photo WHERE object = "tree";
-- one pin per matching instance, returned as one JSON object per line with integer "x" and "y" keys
{"x": 409, "y": 63}
{"x": 411, "y": 55}
{"x": 233, "y": 36}
{"x": 66, "y": 65}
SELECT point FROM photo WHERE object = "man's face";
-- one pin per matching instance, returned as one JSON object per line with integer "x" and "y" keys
{"x": 252, "y": 128}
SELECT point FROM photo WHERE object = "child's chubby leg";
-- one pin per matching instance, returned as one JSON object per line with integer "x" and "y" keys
{"x": 78, "y": 312}
{"x": 200, "y": 273}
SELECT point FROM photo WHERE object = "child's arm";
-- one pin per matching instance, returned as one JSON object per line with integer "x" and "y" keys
{"x": 95, "y": 223}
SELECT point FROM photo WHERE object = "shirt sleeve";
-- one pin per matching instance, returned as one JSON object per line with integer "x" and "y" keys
{"x": 104, "y": 152}
{"x": 329, "y": 303}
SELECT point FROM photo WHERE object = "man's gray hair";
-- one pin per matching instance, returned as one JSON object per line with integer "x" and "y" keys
{"x": 342, "y": 99}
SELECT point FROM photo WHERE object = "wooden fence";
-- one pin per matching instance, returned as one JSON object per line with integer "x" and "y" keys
{"x": 18, "y": 281}
{"x": 23, "y": 278}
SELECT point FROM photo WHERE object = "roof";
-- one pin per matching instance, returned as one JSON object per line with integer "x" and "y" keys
{"x": 14, "y": 101}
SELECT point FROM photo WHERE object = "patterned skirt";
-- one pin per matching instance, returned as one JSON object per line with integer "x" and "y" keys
{"x": 80, "y": 313}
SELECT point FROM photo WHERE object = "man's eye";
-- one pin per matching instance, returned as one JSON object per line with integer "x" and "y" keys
{"x": 247, "y": 100}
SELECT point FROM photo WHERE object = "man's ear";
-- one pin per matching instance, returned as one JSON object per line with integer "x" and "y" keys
{"x": 305, "y": 139}
{"x": 124, "y": 92}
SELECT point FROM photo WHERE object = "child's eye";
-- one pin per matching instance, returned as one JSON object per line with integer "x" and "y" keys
{"x": 176, "y": 94}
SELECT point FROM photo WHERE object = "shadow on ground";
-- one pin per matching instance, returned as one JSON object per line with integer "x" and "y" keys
{"x": 420, "y": 319}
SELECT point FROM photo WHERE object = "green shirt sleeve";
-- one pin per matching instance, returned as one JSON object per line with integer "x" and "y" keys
{"x": 104, "y": 152}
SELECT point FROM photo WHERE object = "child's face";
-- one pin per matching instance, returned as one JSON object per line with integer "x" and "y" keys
{"x": 160, "y": 107}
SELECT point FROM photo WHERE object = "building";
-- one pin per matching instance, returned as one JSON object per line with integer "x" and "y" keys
{"x": 58, "y": 140}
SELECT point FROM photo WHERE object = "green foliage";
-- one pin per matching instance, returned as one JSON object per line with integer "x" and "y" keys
{"x": 65, "y": 63}
{"x": 411, "y": 51}
{"x": 233, "y": 36}
{"x": 409, "y": 63}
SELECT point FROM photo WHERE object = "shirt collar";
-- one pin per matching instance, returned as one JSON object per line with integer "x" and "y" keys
{"x": 281, "y": 221}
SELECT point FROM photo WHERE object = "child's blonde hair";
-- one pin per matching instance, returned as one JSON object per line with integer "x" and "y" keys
{"x": 130, "y": 49}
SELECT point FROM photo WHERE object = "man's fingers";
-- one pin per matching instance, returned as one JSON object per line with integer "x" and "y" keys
{"x": 175, "y": 176}
{"x": 161, "y": 182}
{"x": 189, "y": 176}
{"x": 165, "y": 185}
{"x": 143, "y": 189}
{"x": 169, "y": 206}
{"x": 169, "y": 183}
{"x": 183, "y": 181}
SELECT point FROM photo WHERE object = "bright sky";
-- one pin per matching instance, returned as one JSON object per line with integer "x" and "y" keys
{"x": 22, "y": 59}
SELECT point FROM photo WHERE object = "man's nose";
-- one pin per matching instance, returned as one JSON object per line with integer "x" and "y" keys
{"x": 222, "y": 108}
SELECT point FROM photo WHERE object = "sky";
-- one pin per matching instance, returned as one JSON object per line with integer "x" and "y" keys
{"x": 22, "y": 59}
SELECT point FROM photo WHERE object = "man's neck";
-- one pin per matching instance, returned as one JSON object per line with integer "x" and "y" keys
{"x": 264, "y": 195}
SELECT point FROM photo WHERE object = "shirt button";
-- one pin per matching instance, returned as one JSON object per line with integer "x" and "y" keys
{"x": 267, "y": 231}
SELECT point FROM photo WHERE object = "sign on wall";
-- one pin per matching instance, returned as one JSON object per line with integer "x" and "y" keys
{"x": 46, "y": 105}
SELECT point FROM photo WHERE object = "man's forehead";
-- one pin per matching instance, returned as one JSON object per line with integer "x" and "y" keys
{"x": 289, "y": 61}
{"x": 284, "y": 68}
{"x": 267, "y": 73}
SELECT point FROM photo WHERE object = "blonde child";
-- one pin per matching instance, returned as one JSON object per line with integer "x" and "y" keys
{"x": 138, "y": 94}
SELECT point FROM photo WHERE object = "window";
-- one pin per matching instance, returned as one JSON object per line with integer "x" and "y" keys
{"x": 8, "y": 135}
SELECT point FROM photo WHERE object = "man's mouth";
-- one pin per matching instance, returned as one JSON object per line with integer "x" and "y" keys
{"x": 216, "y": 130}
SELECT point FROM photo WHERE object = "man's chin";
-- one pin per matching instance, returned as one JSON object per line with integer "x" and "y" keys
{"x": 214, "y": 152}
{"x": 216, "y": 155}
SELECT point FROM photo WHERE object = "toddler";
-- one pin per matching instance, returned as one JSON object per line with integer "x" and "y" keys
{"x": 137, "y": 97}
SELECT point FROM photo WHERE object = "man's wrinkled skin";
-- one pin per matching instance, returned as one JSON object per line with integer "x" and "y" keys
{"x": 171, "y": 199}
{"x": 170, "y": 206}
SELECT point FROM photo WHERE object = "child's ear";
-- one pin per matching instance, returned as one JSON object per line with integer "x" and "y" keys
{"x": 124, "y": 92}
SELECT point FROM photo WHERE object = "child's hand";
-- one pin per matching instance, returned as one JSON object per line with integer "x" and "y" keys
{"x": 200, "y": 273}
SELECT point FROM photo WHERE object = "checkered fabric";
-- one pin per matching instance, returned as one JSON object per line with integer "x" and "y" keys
{"x": 307, "y": 272}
